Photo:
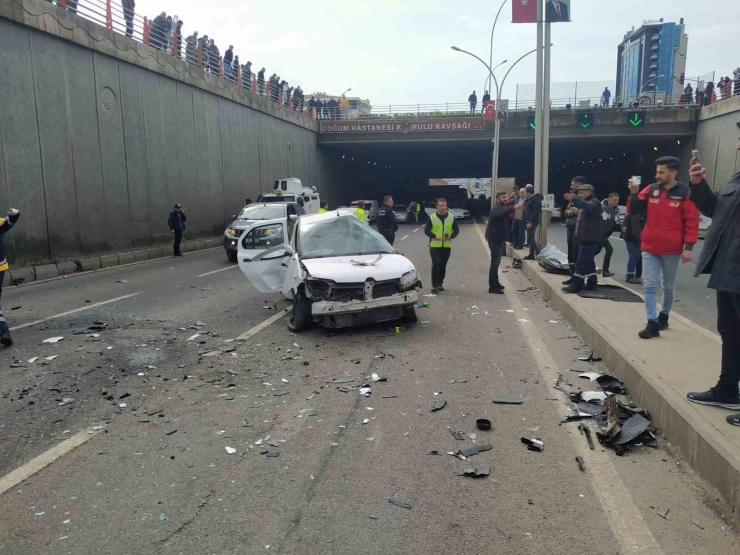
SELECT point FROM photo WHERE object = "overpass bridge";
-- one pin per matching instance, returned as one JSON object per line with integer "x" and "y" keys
{"x": 607, "y": 144}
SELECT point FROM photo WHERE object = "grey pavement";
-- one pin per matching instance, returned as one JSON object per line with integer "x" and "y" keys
{"x": 158, "y": 478}
{"x": 693, "y": 299}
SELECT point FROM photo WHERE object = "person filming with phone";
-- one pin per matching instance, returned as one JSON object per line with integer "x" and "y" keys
{"x": 670, "y": 231}
{"x": 720, "y": 258}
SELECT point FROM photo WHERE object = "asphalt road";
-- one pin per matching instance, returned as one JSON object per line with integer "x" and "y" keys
{"x": 693, "y": 299}
{"x": 157, "y": 476}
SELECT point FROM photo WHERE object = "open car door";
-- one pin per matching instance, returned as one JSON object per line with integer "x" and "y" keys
{"x": 264, "y": 253}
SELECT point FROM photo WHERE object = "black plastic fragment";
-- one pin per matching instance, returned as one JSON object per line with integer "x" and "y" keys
{"x": 534, "y": 444}
{"x": 590, "y": 358}
{"x": 507, "y": 401}
{"x": 631, "y": 429}
{"x": 398, "y": 503}
{"x": 470, "y": 451}
{"x": 439, "y": 404}
{"x": 581, "y": 463}
{"x": 477, "y": 472}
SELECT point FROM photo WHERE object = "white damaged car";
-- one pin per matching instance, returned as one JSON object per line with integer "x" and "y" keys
{"x": 338, "y": 271}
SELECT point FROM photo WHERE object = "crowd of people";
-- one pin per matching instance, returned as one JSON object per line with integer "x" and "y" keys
{"x": 704, "y": 95}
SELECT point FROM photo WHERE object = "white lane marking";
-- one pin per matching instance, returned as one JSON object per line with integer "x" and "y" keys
{"x": 417, "y": 229}
{"x": 75, "y": 311}
{"x": 623, "y": 515}
{"x": 217, "y": 271}
{"x": 404, "y": 237}
{"x": 44, "y": 459}
{"x": 259, "y": 327}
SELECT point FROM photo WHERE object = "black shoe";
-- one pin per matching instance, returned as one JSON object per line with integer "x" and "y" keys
{"x": 633, "y": 280}
{"x": 590, "y": 286}
{"x": 651, "y": 330}
{"x": 496, "y": 290}
{"x": 529, "y": 257}
{"x": 607, "y": 273}
{"x": 441, "y": 288}
{"x": 568, "y": 281}
{"x": 663, "y": 321}
{"x": 5, "y": 338}
{"x": 573, "y": 288}
{"x": 435, "y": 290}
{"x": 715, "y": 398}
{"x": 733, "y": 419}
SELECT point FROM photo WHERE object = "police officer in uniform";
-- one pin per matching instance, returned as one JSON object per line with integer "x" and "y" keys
{"x": 441, "y": 228}
{"x": 387, "y": 224}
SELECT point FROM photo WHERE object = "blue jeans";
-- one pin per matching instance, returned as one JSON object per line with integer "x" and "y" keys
{"x": 655, "y": 268}
{"x": 634, "y": 252}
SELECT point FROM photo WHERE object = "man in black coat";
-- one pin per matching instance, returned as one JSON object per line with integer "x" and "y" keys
{"x": 128, "y": 14}
{"x": 176, "y": 222}
{"x": 571, "y": 218}
{"x": 157, "y": 31}
{"x": 386, "y": 220}
{"x": 720, "y": 258}
{"x": 531, "y": 217}
{"x": 556, "y": 10}
{"x": 6, "y": 224}
{"x": 589, "y": 235}
{"x": 496, "y": 229}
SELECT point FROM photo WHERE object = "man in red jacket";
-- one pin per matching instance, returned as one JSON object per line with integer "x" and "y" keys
{"x": 669, "y": 234}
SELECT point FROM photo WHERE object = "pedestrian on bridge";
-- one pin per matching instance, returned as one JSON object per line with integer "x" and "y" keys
{"x": 571, "y": 218}
{"x": 191, "y": 48}
{"x": 670, "y": 232}
{"x": 473, "y": 99}
{"x": 441, "y": 228}
{"x": 484, "y": 103}
{"x": 261, "y": 81}
{"x": 719, "y": 258}
{"x": 176, "y": 222}
{"x": 532, "y": 215}
{"x": 606, "y": 97}
{"x": 128, "y": 14}
{"x": 496, "y": 237}
{"x": 589, "y": 235}
{"x": 386, "y": 221}
{"x": 5, "y": 225}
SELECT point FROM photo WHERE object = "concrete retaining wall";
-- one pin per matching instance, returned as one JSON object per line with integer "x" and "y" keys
{"x": 100, "y": 136}
{"x": 716, "y": 139}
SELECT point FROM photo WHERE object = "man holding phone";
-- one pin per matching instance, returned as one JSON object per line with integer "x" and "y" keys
{"x": 720, "y": 258}
{"x": 669, "y": 234}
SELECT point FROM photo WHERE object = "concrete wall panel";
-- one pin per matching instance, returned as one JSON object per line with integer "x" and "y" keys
{"x": 202, "y": 161}
{"x": 156, "y": 155}
{"x": 86, "y": 149}
{"x": 173, "y": 153}
{"x": 188, "y": 185}
{"x": 113, "y": 151}
{"x": 134, "y": 134}
{"x": 233, "y": 158}
{"x": 19, "y": 128}
{"x": 56, "y": 146}
{"x": 216, "y": 168}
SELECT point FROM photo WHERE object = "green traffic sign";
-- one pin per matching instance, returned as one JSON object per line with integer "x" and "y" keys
{"x": 637, "y": 118}
{"x": 586, "y": 119}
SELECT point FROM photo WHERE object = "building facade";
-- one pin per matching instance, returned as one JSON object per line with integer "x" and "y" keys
{"x": 651, "y": 63}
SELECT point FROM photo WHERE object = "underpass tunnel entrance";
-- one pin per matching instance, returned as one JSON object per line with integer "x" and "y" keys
{"x": 403, "y": 168}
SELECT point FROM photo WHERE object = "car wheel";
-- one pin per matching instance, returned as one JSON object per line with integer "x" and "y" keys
{"x": 299, "y": 318}
{"x": 409, "y": 315}
{"x": 231, "y": 255}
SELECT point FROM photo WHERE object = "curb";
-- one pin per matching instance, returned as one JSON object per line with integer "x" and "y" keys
{"x": 701, "y": 446}
{"x": 66, "y": 267}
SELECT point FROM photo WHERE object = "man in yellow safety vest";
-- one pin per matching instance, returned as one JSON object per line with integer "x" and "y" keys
{"x": 360, "y": 212}
{"x": 441, "y": 228}
{"x": 324, "y": 206}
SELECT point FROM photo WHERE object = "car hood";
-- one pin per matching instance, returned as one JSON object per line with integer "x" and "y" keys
{"x": 340, "y": 269}
{"x": 243, "y": 224}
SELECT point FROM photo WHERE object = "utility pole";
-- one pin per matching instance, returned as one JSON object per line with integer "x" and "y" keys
{"x": 542, "y": 114}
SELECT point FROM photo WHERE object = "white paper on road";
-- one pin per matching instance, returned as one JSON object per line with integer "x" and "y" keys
{"x": 230, "y": 450}
{"x": 53, "y": 340}
{"x": 197, "y": 335}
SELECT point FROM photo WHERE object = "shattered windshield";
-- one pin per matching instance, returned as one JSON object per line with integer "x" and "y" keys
{"x": 261, "y": 212}
{"x": 344, "y": 236}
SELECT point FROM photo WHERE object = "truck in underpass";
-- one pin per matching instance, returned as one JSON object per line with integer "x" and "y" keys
{"x": 290, "y": 189}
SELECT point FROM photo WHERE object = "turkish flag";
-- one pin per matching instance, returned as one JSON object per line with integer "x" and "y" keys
{"x": 489, "y": 109}
{"x": 524, "y": 11}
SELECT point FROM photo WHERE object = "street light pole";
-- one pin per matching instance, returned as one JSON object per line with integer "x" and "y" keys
{"x": 490, "y": 54}
{"x": 497, "y": 124}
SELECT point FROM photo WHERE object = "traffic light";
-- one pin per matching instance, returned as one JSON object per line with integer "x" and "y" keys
{"x": 586, "y": 120}
{"x": 636, "y": 119}
{"x": 532, "y": 122}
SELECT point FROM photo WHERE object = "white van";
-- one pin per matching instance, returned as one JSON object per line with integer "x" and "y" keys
{"x": 290, "y": 189}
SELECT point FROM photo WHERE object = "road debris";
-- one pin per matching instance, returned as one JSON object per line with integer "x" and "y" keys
{"x": 697, "y": 524}
{"x": 590, "y": 358}
{"x": 477, "y": 472}
{"x": 507, "y": 401}
{"x": 663, "y": 514}
{"x": 53, "y": 340}
{"x": 472, "y": 451}
{"x": 376, "y": 378}
{"x": 398, "y": 503}
{"x": 581, "y": 463}
{"x": 590, "y": 376}
{"x": 534, "y": 444}
{"x": 439, "y": 404}
{"x": 457, "y": 434}
{"x": 193, "y": 337}
{"x": 483, "y": 424}
{"x": 66, "y": 401}
{"x": 586, "y": 432}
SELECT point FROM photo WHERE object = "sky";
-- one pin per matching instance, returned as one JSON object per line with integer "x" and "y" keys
{"x": 398, "y": 53}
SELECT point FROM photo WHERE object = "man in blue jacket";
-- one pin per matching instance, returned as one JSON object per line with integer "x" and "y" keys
{"x": 589, "y": 235}
{"x": 5, "y": 225}
{"x": 176, "y": 222}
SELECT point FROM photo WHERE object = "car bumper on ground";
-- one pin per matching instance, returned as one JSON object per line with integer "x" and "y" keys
{"x": 352, "y": 313}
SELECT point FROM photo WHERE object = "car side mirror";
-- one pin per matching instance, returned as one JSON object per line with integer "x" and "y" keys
{"x": 269, "y": 254}
{"x": 233, "y": 217}
{"x": 293, "y": 217}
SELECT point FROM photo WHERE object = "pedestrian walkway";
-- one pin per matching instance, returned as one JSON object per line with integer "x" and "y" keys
{"x": 659, "y": 373}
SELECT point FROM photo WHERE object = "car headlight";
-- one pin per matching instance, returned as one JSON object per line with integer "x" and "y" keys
{"x": 409, "y": 278}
